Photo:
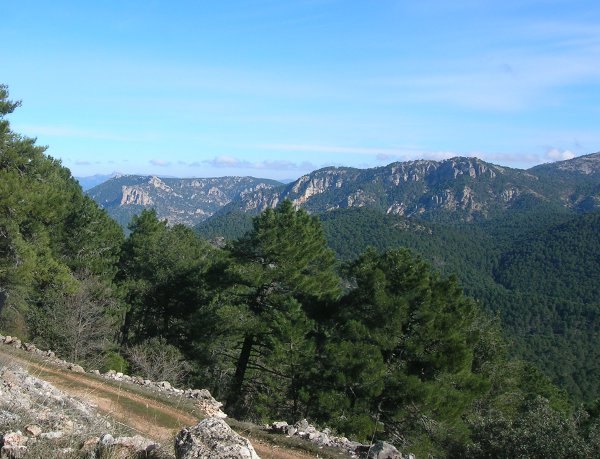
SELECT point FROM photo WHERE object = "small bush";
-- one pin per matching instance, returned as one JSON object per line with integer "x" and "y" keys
{"x": 157, "y": 360}
{"x": 115, "y": 361}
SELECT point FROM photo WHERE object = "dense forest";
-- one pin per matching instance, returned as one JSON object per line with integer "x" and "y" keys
{"x": 536, "y": 269}
{"x": 374, "y": 344}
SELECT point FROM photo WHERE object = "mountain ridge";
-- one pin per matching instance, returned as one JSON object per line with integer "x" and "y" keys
{"x": 459, "y": 189}
{"x": 178, "y": 200}
{"x": 469, "y": 188}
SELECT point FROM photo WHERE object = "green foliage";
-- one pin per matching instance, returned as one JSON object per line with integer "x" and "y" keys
{"x": 277, "y": 280}
{"x": 538, "y": 432}
{"x": 406, "y": 351}
{"x": 50, "y": 233}
{"x": 162, "y": 273}
{"x": 230, "y": 226}
{"x": 114, "y": 361}
{"x": 536, "y": 269}
{"x": 400, "y": 353}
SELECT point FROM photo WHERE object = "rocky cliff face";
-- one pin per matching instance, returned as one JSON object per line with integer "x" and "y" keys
{"x": 186, "y": 201}
{"x": 466, "y": 188}
{"x": 457, "y": 189}
{"x": 586, "y": 165}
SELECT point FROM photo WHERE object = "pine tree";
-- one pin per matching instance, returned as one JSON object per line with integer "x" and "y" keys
{"x": 162, "y": 272}
{"x": 280, "y": 276}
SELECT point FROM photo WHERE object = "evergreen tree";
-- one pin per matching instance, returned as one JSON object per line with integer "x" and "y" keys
{"x": 405, "y": 352}
{"x": 51, "y": 235}
{"x": 162, "y": 271}
{"x": 280, "y": 276}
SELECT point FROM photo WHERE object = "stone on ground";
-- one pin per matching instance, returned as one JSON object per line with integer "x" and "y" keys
{"x": 212, "y": 438}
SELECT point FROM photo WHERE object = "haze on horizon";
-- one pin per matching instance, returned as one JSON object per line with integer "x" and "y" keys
{"x": 277, "y": 89}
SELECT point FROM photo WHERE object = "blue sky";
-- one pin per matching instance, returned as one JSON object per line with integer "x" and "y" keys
{"x": 278, "y": 88}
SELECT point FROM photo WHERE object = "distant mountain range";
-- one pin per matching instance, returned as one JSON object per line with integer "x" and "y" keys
{"x": 185, "y": 201}
{"x": 523, "y": 243}
{"x": 95, "y": 180}
{"x": 457, "y": 189}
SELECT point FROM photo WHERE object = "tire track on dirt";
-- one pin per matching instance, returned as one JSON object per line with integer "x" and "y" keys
{"x": 148, "y": 416}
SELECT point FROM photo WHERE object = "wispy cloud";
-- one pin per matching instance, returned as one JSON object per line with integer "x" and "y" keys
{"x": 160, "y": 162}
{"x": 380, "y": 154}
{"x": 506, "y": 78}
{"x": 232, "y": 162}
{"x": 331, "y": 149}
{"x": 556, "y": 154}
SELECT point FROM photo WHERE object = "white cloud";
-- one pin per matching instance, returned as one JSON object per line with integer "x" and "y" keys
{"x": 331, "y": 149}
{"x": 225, "y": 161}
{"x": 160, "y": 162}
{"x": 232, "y": 162}
{"x": 555, "y": 154}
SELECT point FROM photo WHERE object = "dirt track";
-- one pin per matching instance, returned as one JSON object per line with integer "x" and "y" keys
{"x": 144, "y": 414}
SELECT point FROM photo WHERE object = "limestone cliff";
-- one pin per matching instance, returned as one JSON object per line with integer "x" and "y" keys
{"x": 461, "y": 189}
{"x": 186, "y": 201}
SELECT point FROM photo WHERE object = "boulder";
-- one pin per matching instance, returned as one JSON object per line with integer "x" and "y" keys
{"x": 212, "y": 438}
{"x": 13, "y": 445}
{"x": 33, "y": 429}
{"x": 379, "y": 450}
{"x": 280, "y": 427}
{"x": 126, "y": 447}
{"x": 76, "y": 368}
{"x": 13, "y": 439}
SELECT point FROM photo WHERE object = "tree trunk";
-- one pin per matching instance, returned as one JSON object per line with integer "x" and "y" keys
{"x": 126, "y": 327}
{"x": 240, "y": 373}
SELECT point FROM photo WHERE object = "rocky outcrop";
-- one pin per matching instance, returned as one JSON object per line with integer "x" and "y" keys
{"x": 381, "y": 450}
{"x": 205, "y": 402}
{"x": 212, "y": 438}
{"x": 185, "y": 201}
{"x": 158, "y": 183}
{"x": 38, "y": 420}
{"x": 302, "y": 429}
{"x": 124, "y": 447}
{"x": 468, "y": 187}
{"x": 586, "y": 165}
{"x": 134, "y": 196}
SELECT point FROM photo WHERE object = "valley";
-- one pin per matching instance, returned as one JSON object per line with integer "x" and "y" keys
{"x": 523, "y": 243}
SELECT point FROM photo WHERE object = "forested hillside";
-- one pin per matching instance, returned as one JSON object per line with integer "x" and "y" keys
{"x": 386, "y": 346}
{"x": 454, "y": 190}
{"x": 537, "y": 269}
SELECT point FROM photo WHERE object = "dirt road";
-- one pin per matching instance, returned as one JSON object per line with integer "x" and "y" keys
{"x": 142, "y": 412}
